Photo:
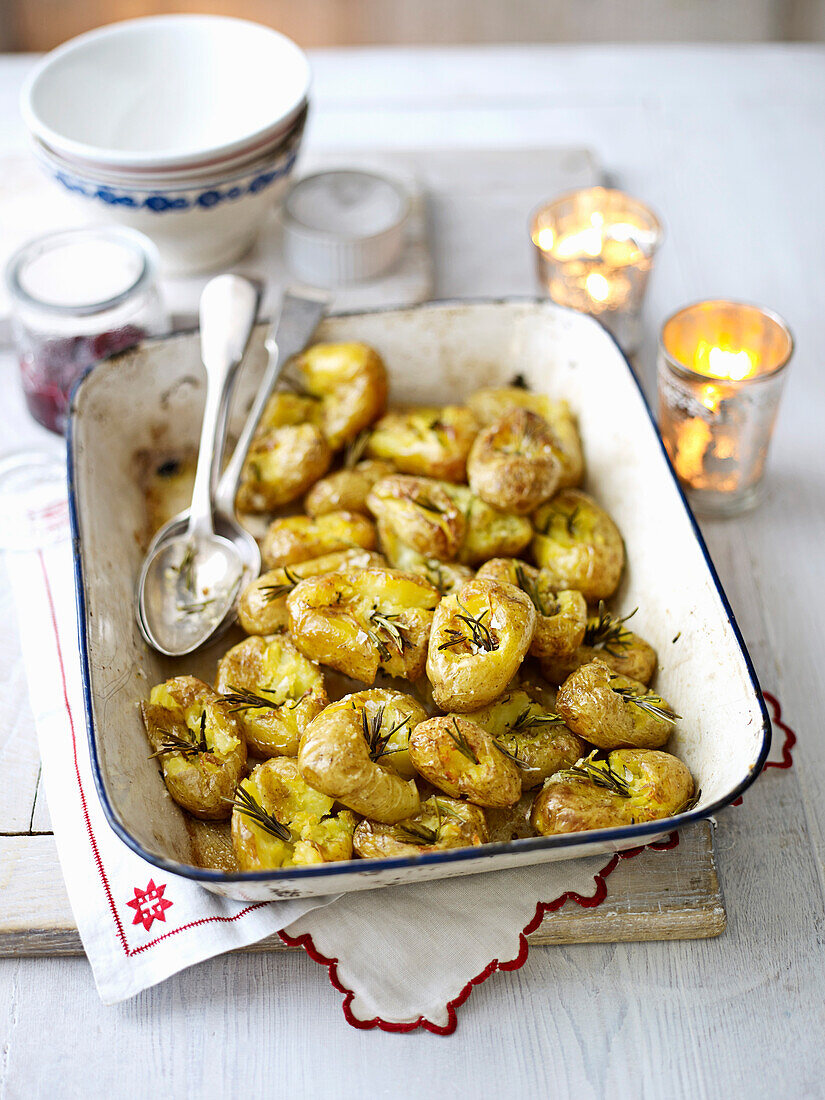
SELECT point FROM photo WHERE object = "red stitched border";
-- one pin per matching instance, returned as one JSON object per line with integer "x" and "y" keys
{"x": 597, "y": 898}
{"x": 129, "y": 952}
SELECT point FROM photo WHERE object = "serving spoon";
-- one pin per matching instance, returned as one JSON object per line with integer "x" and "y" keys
{"x": 299, "y": 316}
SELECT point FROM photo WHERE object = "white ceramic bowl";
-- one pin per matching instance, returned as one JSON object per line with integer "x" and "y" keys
{"x": 166, "y": 93}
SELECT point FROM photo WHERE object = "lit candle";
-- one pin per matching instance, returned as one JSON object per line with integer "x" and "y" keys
{"x": 721, "y": 371}
{"x": 594, "y": 250}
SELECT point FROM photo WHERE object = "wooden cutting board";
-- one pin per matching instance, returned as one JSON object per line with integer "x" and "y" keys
{"x": 656, "y": 895}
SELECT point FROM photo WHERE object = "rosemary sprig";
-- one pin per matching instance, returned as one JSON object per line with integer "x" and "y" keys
{"x": 514, "y": 756}
{"x": 435, "y": 575}
{"x": 296, "y": 386}
{"x": 532, "y": 589}
{"x": 246, "y": 803}
{"x": 275, "y": 591}
{"x": 376, "y": 739}
{"x": 419, "y": 832}
{"x": 651, "y": 704}
{"x": 461, "y": 743}
{"x": 195, "y": 607}
{"x": 241, "y": 699}
{"x": 186, "y": 568}
{"x": 691, "y": 802}
{"x": 608, "y": 631}
{"x": 356, "y": 448}
{"x": 570, "y": 522}
{"x": 568, "y": 518}
{"x": 480, "y": 634}
{"x": 423, "y": 501}
{"x": 600, "y": 773}
{"x": 530, "y": 720}
{"x": 387, "y": 623}
{"x": 190, "y": 744}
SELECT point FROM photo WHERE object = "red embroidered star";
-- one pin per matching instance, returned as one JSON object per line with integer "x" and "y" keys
{"x": 149, "y": 905}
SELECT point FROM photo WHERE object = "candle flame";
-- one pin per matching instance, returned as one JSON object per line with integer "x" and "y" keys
{"x": 725, "y": 363}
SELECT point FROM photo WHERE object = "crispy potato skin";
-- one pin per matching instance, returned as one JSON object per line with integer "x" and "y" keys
{"x": 441, "y": 823}
{"x": 202, "y": 783}
{"x": 428, "y": 441}
{"x": 333, "y": 620}
{"x": 578, "y": 545}
{"x": 419, "y": 512}
{"x": 660, "y": 786}
{"x": 543, "y": 748}
{"x": 396, "y": 711}
{"x": 590, "y": 704}
{"x": 280, "y": 466}
{"x": 346, "y": 490}
{"x": 482, "y": 774}
{"x": 277, "y": 671}
{"x": 488, "y": 405}
{"x": 447, "y": 576}
{"x": 351, "y": 382}
{"x": 465, "y": 674}
{"x": 262, "y": 612}
{"x": 335, "y": 758}
{"x": 299, "y": 538}
{"x": 489, "y": 533}
{"x": 280, "y": 790}
{"x": 514, "y": 463}
{"x": 561, "y": 616}
{"x": 635, "y": 658}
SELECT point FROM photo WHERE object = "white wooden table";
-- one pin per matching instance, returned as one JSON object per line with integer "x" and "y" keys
{"x": 727, "y": 143}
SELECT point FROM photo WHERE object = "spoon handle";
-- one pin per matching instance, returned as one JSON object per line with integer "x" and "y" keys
{"x": 228, "y": 307}
{"x": 291, "y": 330}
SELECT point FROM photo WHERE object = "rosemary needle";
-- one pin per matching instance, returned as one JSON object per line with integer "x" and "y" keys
{"x": 246, "y": 803}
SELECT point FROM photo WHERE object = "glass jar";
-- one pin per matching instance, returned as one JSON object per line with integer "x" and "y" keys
{"x": 78, "y": 296}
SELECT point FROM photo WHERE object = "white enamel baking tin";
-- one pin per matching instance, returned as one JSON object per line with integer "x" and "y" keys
{"x": 152, "y": 396}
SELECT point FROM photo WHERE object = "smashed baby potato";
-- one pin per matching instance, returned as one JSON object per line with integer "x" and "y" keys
{"x": 514, "y": 463}
{"x": 344, "y": 753}
{"x": 430, "y": 442}
{"x": 278, "y": 820}
{"x": 262, "y": 604}
{"x": 346, "y": 490}
{"x": 418, "y": 511}
{"x": 349, "y": 381}
{"x": 299, "y": 538}
{"x": 281, "y": 464}
{"x": 561, "y": 616}
{"x": 441, "y": 823}
{"x": 629, "y": 787}
{"x": 489, "y": 532}
{"x": 608, "y": 639}
{"x": 200, "y": 747}
{"x": 537, "y": 738}
{"x": 360, "y": 621}
{"x": 578, "y": 545}
{"x": 480, "y": 634}
{"x": 273, "y": 691}
{"x": 463, "y": 760}
{"x": 388, "y": 717}
{"x": 489, "y": 404}
{"x": 612, "y": 711}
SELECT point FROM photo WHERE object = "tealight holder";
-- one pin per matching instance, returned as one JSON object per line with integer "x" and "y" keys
{"x": 721, "y": 369}
{"x": 594, "y": 251}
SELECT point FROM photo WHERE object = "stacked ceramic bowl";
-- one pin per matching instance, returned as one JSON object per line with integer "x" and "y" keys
{"x": 186, "y": 127}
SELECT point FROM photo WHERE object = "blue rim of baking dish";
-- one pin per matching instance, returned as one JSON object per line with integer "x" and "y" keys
{"x": 369, "y": 868}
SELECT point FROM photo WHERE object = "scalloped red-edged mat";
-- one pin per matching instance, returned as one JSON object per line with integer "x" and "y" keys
{"x": 586, "y": 902}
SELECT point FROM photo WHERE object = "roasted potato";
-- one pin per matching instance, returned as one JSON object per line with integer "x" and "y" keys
{"x": 607, "y": 639}
{"x": 514, "y": 463}
{"x": 361, "y": 620}
{"x": 262, "y": 604}
{"x": 344, "y": 753}
{"x": 612, "y": 711}
{"x": 506, "y": 823}
{"x": 273, "y": 691}
{"x": 278, "y": 820}
{"x": 528, "y": 733}
{"x": 199, "y": 745}
{"x": 388, "y": 717}
{"x": 489, "y": 404}
{"x": 431, "y": 442}
{"x": 418, "y": 511}
{"x": 298, "y": 538}
{"x": 480, "y": 634}
{"x": 445, "y": 575}
{"x": 463, "y": 760}
{"x": 350, "y": 383}
{"x": 346, "y": 490}
{"x": 489, "y": 533}
{"x": 561, "y": 616}
{"x": 578, "y": 545}
{"x": 630, "y": 786}
{"x": 440, "y": 823}
{"x": 284, "y": 459}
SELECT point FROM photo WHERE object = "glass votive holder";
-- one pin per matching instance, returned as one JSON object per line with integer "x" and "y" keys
{"x": 77, "y": 296}
{"x": 594, "y": 251}
{"x": 721, "y": 369}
